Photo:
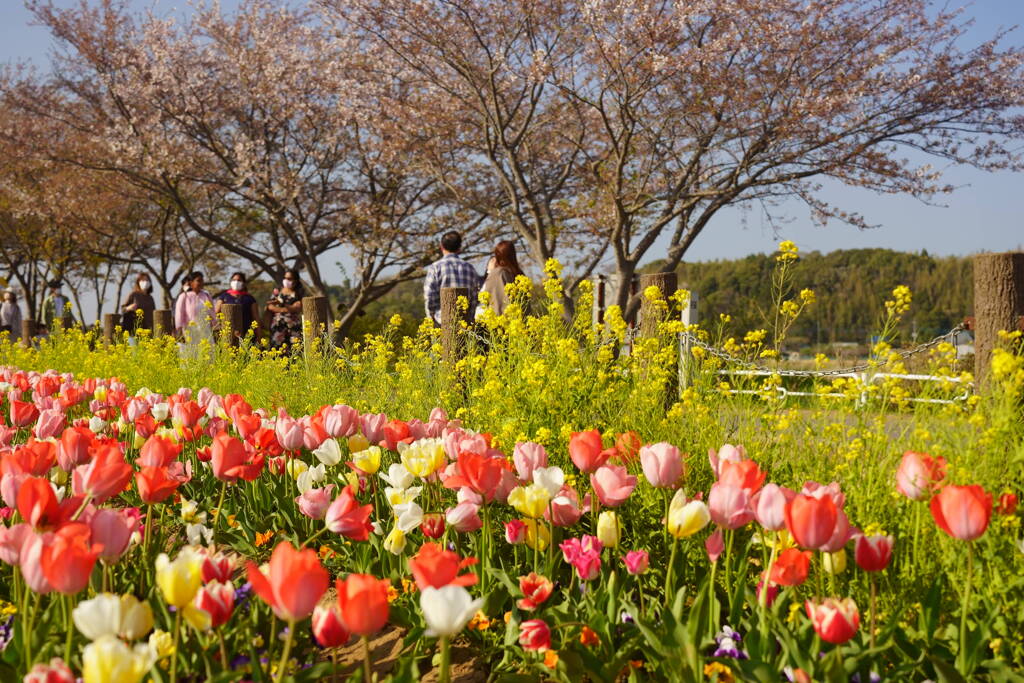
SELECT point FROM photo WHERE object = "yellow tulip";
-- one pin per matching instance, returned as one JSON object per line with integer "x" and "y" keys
{"x": 179, "y": 580}
{"x": 136, "y": 618}
{"x": 357, "y": 442}
{"x": 608, "y": 529}
{"x": 161, "y": 643}
{"x": 834, "y": 563}
{"x": 424, "y": 457}
{"x": 530, "y": 500}
{"x": 394, "y": 543}
{"x": 109, "y": 660}
{"x": 367, "y": 460}
{"x": 538, "y": 534}
{"x": 685, "y": 518}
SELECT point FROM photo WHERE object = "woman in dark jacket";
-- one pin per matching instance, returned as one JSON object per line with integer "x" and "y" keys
{"x": 139, "y": 299}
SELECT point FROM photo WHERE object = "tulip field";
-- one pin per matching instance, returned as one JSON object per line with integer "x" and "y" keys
{"x": 545, "y": 508}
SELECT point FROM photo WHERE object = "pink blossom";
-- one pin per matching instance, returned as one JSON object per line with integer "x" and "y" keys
{"x": 613, "y": 484}
{"x": 314, "y": 502}
{"x": 464, "y": 517}
{"x": 729, "y": 505}
{"x": 528, "y": 456}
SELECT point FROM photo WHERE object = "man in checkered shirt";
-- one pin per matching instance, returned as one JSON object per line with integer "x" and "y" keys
{"x": 449, "y": 271}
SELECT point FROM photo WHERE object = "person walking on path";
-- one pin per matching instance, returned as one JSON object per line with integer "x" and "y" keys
{"x": 56, "y": 308}
{"x": 139, "y": 299}
{"x": 238, "y": 294}
{"x": 449, "y": 271}
{"x": 502, "y": 269}
{"x": 10, "y": 315}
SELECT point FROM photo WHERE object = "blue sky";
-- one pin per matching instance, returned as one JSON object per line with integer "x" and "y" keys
{"x": 985, "y": 214}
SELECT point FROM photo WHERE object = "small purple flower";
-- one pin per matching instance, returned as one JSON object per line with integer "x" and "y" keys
{"x": 626, "y": 618}
{"x": 239, "y": 661}
{"x": 243, "y": 595}
{"x": 6, "y": 632}
{"x": 872, "y": 678}
{"x": 729, "y": 644}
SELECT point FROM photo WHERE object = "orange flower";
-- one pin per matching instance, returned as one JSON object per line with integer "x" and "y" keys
{"x": 482, "y": 473}
{"x": 790, "y": 569}
{"x": 363, "y": 600}
{"x": 294, "y": 583}
{"x": 158, "y": 452}
{"x": 155, "y": 484}
{"x": 588, "y": 637}
{"x": 437, "y": 568}
{"x": 264, "y": 538}
{"x": 744, "y": 474}
{"x": 551, "y": 659}
{"x": 536, "y": 589}
{"x": 962, "y": 511}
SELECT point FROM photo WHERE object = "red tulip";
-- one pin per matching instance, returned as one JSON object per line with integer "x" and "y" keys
{"x": 54, "y": 672}
{"x": 227, "y": 456}
{"x": 155, "y": 484}
{"x": 247, "y": 425}
{"x": 919, "y": 475}
{"x": 836, "y": 621}
{"x": 73, "y": 447}
{"x": 34, "y": 457}
{"x": 437, "y": 568}
{"x": 23, "y": 413}
{"x": 810, "y": 520}
{"x": 187, "y": 413}
{"x": 347, "y": 517}
{"x": 535, "y": 635}
{"x": 536, "y": 590}
{"x": 328, "y": 628}
{"x": 482, "y": 473}
{"x": 218, "y": 600}
{"x": 217, "y": 567}
{"x": 791, "y": 567}
{"x": 106, "y": 476}
{"x": 145, "y": 425}
{"x": 433, "y": 525}
{"x": 587, "y": 451}
{"x": 294, "y": 583}
{"x": 1007, "y": 504}
{"x": 394, "y": 432}
{"x": 38, "y": 505}
{"x": 363, "y": 603}
{"x": 68, "y": 558}
{"x": 158, "y": 451}
{"x": 628, "y": 445}
{"x": 873, "y": 552}
{"x": 962, "y": 511}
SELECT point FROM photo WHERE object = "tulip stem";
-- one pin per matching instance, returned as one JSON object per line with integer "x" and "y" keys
{"x": 223, "y": 649}
{"x": 446, "y": 661}
{"x": 917, "y": 532}
{"x": 81, "y": 509}
{"x": 220, "y": 504}
{"x": 668, "y": 572}
{"x": 313, "y": 537}
{"x": 367, "y": 672}
{"x": 730, "y": 534}
{"x": 146, "y": 533}
{"x": 874, "y": 597}
{"x": 70, "y": 628}
{"x": 283, "y": 665}
{"x": 962, "y": 655}
{"x": 175, "y": 635}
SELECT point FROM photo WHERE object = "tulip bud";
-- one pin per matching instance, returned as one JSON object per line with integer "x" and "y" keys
{"x": 636, "y": 561}
{"x": 179, "y": 580}
{"x": 328, "y": 629}
{"x": 54, "y": 672}
{"x": 433, "y": 525}
{"x": 447, "y": 610}
{"x": 515, "y": 532}
{"x": 872, "y": 553}
{"x": 608, "y": 530}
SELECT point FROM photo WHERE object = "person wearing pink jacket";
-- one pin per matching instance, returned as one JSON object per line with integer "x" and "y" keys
{"x": 193, "y": 311}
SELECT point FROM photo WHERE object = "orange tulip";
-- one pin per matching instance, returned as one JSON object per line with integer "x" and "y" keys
{"x": 73, "y": 447}
{"x": 155, "y": 484}
{"x": 37, "y": 503}
{"x": 962, "y": 511}
{"x": 231, "y": 460}
{"x": 482, "y": 473}
{"x": 294, "y": 583}
{"x": 437, "y": 568}
{"x": 363, "y": 601}
{"x": 744, "y": 474}
{"x": 158, "y": 452}
{"x": 33, "y": 457}
{"x": 811, "y": 520}
{"x": 587, "y": 451}
{"x": 68, "y": 558}
{"x": 790, "y": 569}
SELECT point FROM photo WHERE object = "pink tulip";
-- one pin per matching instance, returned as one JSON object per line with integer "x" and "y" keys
{"x": 564, "y": 509}
{"x": 314, "y": 502}
{"x": 832, "y": 490}
{"x": 373, "y": 426}
{"x": 729, "y": 505}
{"x": 727, "y": 453}
{"x": 417, "y": 430}
{"x": 289, "y": 431}
{"x": 340, "y": 420}
{"x": 515, "y": 532}
{"x": 135, "y": 408}
{"x": 770, "y": 506}
{"x": 714, "y": 545}
{"x": 841, "y": 534}
{"x": 528, "y": 456}
{"x": 112, "y": 530}
{"x": 636, "y": 561}
{"x": 919, "y": 475}
{"x": 51, "y": 423}
{"x": 10, "y": 484}
{"x": 662, "y": 464}
{"x": 464, "y": 517}
{"x": 12, "y": 540}
{"x": 613, "y": 484}
{"x": 29, "y": 561}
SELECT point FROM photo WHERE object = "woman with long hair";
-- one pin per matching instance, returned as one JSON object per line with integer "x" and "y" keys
{"x": 502, "y": 269}
{"x": 139, "y": 299}
{"x": 238, "y": 294}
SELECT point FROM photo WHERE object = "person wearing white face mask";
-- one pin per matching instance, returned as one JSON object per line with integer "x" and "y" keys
{"x": 139, "y": 299}
{"x": 237, "y": 294}
{"x": 10, "y": 314}
{"x": 284, "y": 312}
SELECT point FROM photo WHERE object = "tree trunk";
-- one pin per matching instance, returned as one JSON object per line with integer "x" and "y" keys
{"x": 998, "y": 301}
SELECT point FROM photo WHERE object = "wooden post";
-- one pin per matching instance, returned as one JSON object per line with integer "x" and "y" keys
{"x": 109, "y": 324}
{"x": 689, "y": 317}
{"x": 28, "y": 331}
{"x": 451, "y": 335}
{"x": 314, "y": 320}
{"x": 600, "y": 297}
{"x": 651, "y": 315}
{"x": 163, "y": 322}
{"x": 998, "y": 303}
{"x": 232, "y": 321}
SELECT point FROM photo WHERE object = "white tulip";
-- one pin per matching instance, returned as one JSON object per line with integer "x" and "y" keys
{"x": 398, "y": 477}
{"x": 447, "y": 610}
{"x": 100, "y": 616}
{"x": 394, "y": 542}
{"x": 97, "y": 424}
{"x": 312, "y": 476}
{"x": 197, "y": 532}
{"x": 329, "y": 452}
{"x": 109, "y": 659}
{"x": 160, "y": 411}
{"x": 410, "y": 516}
{"x": 551, "y": 478}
